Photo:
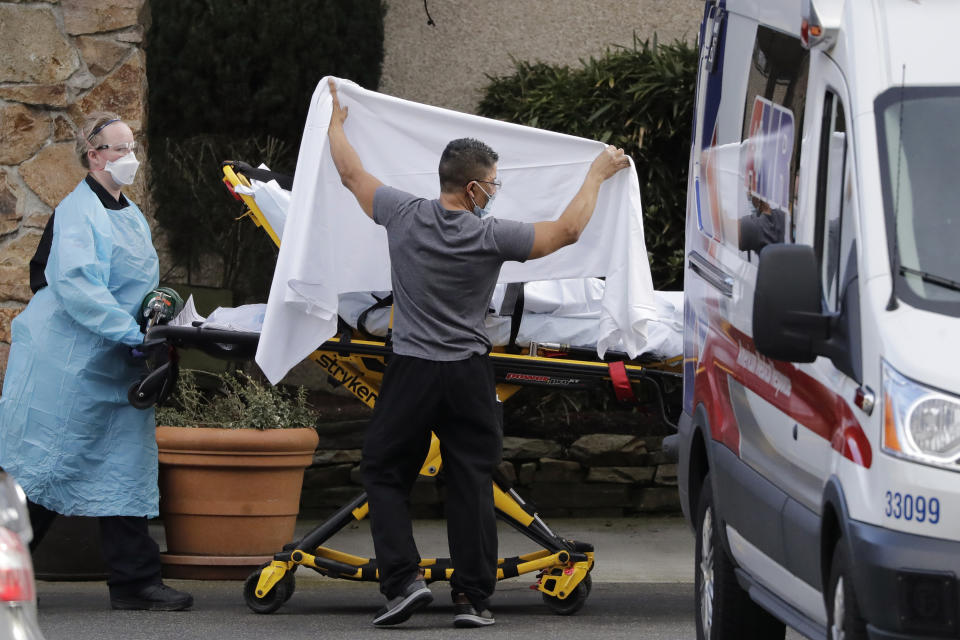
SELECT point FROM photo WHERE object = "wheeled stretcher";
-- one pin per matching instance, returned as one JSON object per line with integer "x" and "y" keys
{"x": 562, "y": 566}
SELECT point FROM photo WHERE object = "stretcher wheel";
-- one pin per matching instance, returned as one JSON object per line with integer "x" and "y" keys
{"x": 154, "y": 387}
{"x": 133, "y": 397}
{"x": 573, "y": 602}
{"x": 281, "y": 592}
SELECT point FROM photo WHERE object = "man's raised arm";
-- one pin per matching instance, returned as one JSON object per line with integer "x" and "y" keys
{"x": 556, "y": 234}
{"x": 352, "y": 174}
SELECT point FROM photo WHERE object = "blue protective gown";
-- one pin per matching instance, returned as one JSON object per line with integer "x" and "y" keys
{"x": 67, "y": 432}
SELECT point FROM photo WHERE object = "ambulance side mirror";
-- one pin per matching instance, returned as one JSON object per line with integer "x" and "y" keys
{"x": 788, "y": 320}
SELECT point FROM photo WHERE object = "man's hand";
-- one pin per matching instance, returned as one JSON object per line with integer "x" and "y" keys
{"x": 610, "y": 161}
{"x": 555, "y": 234}
{"x": 339, "y": 114}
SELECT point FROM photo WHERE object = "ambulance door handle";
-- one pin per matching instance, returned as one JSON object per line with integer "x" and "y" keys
{"x": 715, "y": 277}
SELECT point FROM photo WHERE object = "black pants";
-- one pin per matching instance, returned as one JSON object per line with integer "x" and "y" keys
{"x": 457, "y": 400}
{"x": 132, "y": 556}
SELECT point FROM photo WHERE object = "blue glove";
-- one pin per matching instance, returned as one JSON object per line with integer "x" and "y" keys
{"x": 146, "y": 348}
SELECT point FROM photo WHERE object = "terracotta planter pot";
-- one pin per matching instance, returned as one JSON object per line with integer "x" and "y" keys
{"x": 229, "y": 498}
{"x": 70, "y": 551}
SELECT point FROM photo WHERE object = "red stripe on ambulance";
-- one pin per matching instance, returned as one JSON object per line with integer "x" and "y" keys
{"x": 807, "y": 401}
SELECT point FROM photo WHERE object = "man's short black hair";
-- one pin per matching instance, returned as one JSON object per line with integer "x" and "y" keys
{"x": 463, "y": 160}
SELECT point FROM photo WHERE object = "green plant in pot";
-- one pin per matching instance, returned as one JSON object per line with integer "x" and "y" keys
{"x": 235, "y": 400}
{"x": 232, "y": 459}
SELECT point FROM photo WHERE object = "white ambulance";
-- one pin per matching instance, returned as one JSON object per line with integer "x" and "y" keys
{"x": 820, "y": 438}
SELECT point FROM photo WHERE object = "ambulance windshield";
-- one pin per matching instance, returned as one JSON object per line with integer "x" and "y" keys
{"x": 920, "y": 152}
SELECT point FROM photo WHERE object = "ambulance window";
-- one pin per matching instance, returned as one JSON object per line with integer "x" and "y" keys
{"x": 919, "y": 146}
{"x": 833, "y": 239}
{"x": 770, "y": 141}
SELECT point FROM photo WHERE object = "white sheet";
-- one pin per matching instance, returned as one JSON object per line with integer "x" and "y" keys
{"x": 664, "y": 333}
{"x": 572, "y": 298}
{"x": 330, "y": 247}
{"x": 272, "y": 200}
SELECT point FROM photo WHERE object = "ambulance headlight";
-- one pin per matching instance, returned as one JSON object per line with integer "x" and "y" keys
{"x": 919, "y": 422}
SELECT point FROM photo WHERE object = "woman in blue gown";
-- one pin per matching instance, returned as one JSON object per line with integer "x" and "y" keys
{"x": 67, "y": 432}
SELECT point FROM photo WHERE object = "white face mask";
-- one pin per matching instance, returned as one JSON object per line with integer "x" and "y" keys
{"x": 124, "y": 169}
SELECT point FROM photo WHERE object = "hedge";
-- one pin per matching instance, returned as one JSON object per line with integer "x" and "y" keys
{"x": 226, "y": 78}
{"x": 639, "y": 98}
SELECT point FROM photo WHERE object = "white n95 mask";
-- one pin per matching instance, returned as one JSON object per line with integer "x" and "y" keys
{"x": 124, "y": 169}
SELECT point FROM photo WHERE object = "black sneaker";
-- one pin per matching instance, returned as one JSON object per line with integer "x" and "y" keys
{"x": 155, "y": 597}
{"x": 415, "y": 597}
{"x": 465, "y": 616}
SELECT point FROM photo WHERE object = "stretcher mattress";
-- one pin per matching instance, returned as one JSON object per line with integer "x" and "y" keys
{"x": 579, "y": 329}
{"x": 664, "y": 333}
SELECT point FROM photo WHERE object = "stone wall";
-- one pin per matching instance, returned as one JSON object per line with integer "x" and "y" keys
{"x": 58, "y": 61}
{"x": 571, "y": 473}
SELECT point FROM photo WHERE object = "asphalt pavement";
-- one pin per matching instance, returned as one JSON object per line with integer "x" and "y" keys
{"x": 642, "y": 588}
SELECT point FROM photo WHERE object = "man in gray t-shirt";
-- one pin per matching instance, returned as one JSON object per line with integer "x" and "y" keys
{"x": 445, "y": 258}
{"x": 444, "y": 266}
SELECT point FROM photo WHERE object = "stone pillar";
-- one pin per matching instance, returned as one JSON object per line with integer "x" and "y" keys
{"x": 59, "y": 59}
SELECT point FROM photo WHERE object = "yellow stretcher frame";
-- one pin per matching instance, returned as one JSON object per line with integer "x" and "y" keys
{"x": 562, "y": 566}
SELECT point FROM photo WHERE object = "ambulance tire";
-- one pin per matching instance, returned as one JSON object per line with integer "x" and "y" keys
{"x": 274, "y": 599}
{"x": 724, "y": 611}
{"x": 844, "y": 621}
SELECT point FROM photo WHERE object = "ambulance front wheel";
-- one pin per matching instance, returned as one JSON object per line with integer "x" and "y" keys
{"x": 724, "y": 611}
{"x": 274, "y": 598}
{"x": 843, "y": 614}
{"x": 573, "y": 602}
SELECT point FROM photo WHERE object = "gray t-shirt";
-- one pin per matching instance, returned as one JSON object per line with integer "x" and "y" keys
{"x": 444, "y": 266}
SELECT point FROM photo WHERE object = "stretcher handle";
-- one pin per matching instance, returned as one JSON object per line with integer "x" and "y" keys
{"x": 263, "y": 175}
{"x": 219, "y": 343}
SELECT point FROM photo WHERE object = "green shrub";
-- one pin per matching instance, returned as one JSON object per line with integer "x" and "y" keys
{"x": 199, "y": 216}
{"x": 640, "y": 99}
{"x": 248, "y": 67}
{"x": 237, "y": 401}
{"x": 232, "y": 80}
